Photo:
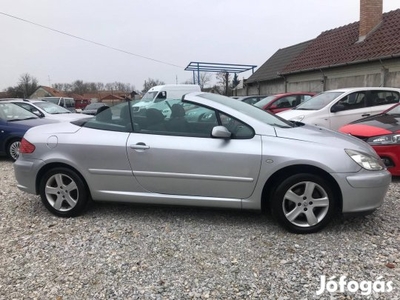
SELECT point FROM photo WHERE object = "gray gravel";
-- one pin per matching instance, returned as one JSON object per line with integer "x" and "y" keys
{"x": 118, "y": 251}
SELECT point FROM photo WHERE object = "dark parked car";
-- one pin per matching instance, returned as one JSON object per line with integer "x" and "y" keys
{"x": 14, "y": 122}
{"x": 382, "y": 132}
{"x": 280, "y": 102}
{"x": 92, "y": 108}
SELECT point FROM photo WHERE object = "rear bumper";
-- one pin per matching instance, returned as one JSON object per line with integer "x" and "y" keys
{"x": 25, "y": 173}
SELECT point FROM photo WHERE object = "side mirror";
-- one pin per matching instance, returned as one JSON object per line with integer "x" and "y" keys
{"x": 338, "y": 107}
{"x": 221, "y": 132}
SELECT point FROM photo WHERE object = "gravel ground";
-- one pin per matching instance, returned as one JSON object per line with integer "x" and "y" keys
{"x": 119, "y": 251}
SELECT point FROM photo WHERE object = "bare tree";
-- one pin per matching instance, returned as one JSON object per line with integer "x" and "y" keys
{"x": 100, "y": 86}
{"x": 205, "y": 78}
{"x": 27, "y": 85}
{"x": 149, "y": 83}
{"x": 79, "y": 87}
{"x": 223, "y": 79}
{"x": 63, "y": 87}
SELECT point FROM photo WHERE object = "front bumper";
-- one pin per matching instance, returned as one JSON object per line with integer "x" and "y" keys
{"x": 363, "y": 191}
{"x": 390, "y": 153}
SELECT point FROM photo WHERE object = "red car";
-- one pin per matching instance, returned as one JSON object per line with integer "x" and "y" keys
{"x": 382, "y": 132}
{"x": 280, "y": 102}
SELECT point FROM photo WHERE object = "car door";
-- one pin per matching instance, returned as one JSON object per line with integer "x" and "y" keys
{"x": 380, "y": 100}
{"x": 193, "y": 163}
{"x": 348, "y": 108}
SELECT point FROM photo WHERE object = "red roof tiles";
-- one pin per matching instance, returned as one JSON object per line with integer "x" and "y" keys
{"x": 340, "y": 46}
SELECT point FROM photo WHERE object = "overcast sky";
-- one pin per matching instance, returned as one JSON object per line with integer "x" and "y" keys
{"x": 170, "y": 34}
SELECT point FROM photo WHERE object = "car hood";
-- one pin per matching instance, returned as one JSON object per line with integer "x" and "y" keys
{"x": 374, "y": 126}
{"x": 292, "y": 113}
{"x": 89, "y": 111}
{"x": 323, "y": 136}
{"x": 142, "y": 104}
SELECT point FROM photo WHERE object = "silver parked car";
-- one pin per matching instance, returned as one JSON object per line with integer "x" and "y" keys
{"x": 226, "y": 154}
{"x": 48, "y": 110}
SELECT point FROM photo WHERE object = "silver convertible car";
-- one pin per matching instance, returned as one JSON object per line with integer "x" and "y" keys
{"x": 203, "y": 150}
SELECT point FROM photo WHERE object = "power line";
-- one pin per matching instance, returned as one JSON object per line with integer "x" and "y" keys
{"x": 89, "y": 41}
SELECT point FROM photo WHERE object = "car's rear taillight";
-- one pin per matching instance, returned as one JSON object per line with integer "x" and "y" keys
{"x": 26, "y": 147}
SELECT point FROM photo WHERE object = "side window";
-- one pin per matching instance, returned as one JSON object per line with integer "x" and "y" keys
{"x": 352, "y": 101}
{"x": 173, "y": 117}
{"x": 116, "y": 118}
{"x": 70, "y": 103}
{"x": 285, "y": 102}
{"x": 383, "y": 97}
{"x": 305, "y": 98}
{"x": 27, "y": 107}
{"x": 238, "y": 129}
{"x": 161, "y": 96}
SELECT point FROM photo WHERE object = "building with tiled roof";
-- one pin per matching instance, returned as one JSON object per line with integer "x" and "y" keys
{"x": 270, "y": 70}
{"x": 364, "y": 53}
{"x": 46, "y": 91}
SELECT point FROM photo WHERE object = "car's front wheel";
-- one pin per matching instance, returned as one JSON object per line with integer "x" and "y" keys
{"x": 63, "y": 192}
{"x": 13, "y": 149}
{"x": 303, "y": 203}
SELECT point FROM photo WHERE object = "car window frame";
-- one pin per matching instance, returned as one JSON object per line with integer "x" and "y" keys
{"x": 219, "y": 116}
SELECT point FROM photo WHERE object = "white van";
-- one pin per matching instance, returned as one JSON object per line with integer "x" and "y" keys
{"x": 160, "y": 93}
{"x": 335, "y": 108}
{"x": 68, "y": 103}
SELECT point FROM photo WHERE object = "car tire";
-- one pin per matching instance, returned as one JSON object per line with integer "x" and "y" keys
{"x": 13, "y": 149}
{"x": 63, "y": 192}
{"x": 303, "y": 203}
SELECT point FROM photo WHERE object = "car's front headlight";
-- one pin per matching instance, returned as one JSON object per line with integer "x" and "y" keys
{"x": 298, "y": 118}
{"x": 366, "y": 161}
{"x": 390, "y": 139}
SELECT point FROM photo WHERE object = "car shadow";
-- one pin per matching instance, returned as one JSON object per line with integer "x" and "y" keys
{"x": 395, "y": 178}
{"x": 171, "y": 213}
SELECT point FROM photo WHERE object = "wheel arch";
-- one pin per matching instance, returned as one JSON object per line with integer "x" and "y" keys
{"x": 272, "y": 182}
{"x": 50, "y": 166}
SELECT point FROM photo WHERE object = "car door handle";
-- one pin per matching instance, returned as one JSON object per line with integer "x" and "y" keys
{"x": 139, "y": 146}
{"x": 365, "y": 115}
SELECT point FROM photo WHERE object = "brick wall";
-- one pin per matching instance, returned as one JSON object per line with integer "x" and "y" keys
{"x": 370, "y": 15}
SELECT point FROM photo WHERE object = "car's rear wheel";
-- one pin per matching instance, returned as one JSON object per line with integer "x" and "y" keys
{"x": 303, "y": 203}
{"x": 13, "y": 149}
{"x": 63, "y": 192}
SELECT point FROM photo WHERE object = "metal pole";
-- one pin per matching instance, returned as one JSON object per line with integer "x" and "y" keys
{"x": 198, "y": 74}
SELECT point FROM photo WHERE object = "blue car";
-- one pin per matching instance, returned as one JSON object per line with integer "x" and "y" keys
{"x": 14, "y": 122}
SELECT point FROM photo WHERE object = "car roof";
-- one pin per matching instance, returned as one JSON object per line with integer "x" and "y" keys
{"x": 346, "y": 90}
{"x": 21, "y": 100}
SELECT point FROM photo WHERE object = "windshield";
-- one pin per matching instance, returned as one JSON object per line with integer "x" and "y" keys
{"x": 249, "y": 110}
{"x": 264, "y": 101}
{"x": 52, "y": 108}
{"x": 12, "y": 112}
{"x": 149, "y": 96}
{"x": 52, "y": 100}
{"x": 319, "y": 101}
